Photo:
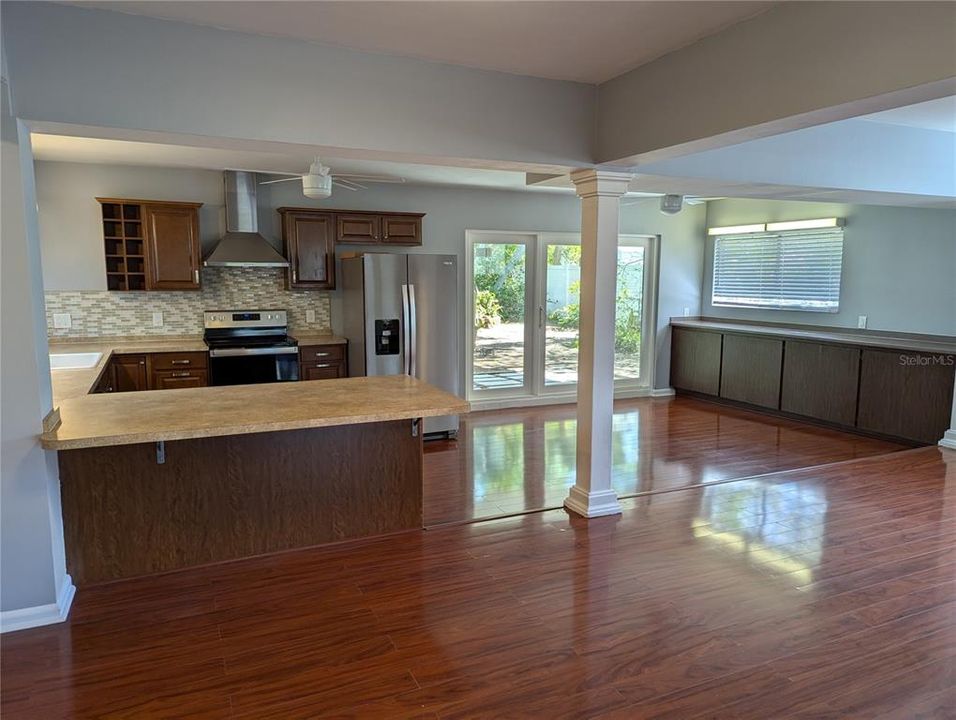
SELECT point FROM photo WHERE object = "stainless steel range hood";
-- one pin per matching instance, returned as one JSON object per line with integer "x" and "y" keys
{"x": 242, "y": 245}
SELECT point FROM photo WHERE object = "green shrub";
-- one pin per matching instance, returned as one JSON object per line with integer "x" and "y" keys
{"x": 487, "y": 309}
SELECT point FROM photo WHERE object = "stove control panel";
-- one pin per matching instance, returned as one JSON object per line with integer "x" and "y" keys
{"x": 244, "y": 318}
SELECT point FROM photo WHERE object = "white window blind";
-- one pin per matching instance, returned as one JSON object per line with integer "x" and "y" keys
{"x": 789, "y": 270}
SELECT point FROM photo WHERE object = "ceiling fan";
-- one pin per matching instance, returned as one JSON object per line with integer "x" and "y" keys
{"x": 318, "y": 181}
{"x": 672, "y": 204}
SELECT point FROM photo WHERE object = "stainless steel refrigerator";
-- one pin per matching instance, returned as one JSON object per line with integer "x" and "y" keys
{"x": 400, "y": 315}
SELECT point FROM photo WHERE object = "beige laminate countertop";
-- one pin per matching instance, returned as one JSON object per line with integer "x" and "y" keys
{"x": 109, "y": 419}
{"x": 317, "y": 339}
{"x": 893, "y": 341}
{"x": 77, "y": 383}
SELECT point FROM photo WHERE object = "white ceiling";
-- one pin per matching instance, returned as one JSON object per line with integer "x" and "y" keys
{"x": 937, "y": 114}
{"x": 582, "y": 41}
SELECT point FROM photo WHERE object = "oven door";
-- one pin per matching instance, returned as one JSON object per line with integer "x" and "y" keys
{"x": 245, "y": 366}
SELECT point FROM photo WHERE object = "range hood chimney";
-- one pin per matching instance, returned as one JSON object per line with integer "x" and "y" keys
{"x": 242, "y": 245}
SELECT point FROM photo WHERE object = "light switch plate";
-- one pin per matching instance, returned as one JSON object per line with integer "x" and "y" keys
{"x": 310, "y": 316}
{"x": 157, "y": 319}
{"x": 62, "y": 321}
{"x": 686, "y": 312}
{"x": 861, "y": 322}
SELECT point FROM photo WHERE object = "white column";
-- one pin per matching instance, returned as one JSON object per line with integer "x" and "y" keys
{"x": 600, "y": 192}
{"x": 949, "y": 439}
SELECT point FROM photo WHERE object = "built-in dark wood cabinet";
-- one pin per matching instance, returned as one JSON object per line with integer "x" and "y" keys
{"x": 309, "y": 240}
{"x": 106, "y": 380}
{"x": 901, "y": 394}
{"x": 906, "y": 394}
{"x": 821, "y": 381}
{"x": 360, "y": 228}
{"x": 151, "y": 245}
{"x": 750, "y": 370}
{"x": 695, "y": 360}
{"x": 323, "y": 362}
{"x": 402, "y": 229}
{"x": 177, "y": 370}
{"x": 129, "y": 373}
{"x": 172, "y": 246}
{"x": 173, "y": 379}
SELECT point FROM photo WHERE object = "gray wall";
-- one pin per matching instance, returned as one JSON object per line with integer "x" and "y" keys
{"x": 899, "y": 264}
{"x": 113, "y": 70}
{"x": 32, "y": 565}
{"x": 790, "y": 67}
{"x": 73, "y": 248}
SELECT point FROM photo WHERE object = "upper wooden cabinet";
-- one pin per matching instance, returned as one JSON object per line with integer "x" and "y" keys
{"x": 172, "y": 247}
{"x": 151, "y": 245}
{"x": 309, "y": 239}
{"x": 358, "y": 228}
{"x": 402, "y": 229}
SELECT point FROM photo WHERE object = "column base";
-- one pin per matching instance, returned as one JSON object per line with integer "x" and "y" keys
{"x": 949, "y": 439}
{"x": 594, "y": 504}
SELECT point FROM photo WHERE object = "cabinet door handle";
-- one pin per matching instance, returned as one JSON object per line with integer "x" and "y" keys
{"x": 294, "y": 276}
{"x": 196, "y": 276}
{"x": 322, "y": 354}
{"x": 181, "y": 362}
{"x": 180, "y": 374}
{"x": 318, "y": 365}
{"x": 142, "y": 362}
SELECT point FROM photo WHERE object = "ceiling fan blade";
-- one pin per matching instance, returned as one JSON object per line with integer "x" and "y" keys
{"x": 370, "y": 178}
{"x": 288, "y": 179}
{"x": 348, "y": 185}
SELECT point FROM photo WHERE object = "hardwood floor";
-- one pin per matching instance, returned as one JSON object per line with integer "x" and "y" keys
{"x": 826, "y": 592}
{"x": 513, "y": 461}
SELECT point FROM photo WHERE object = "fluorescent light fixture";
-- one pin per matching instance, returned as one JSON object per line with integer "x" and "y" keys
{"x": 805, "y": 224}
{"x": 736, "y": 229}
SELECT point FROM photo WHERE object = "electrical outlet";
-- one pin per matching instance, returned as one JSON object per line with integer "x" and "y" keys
{"x": 861, "y": 322}
{"x": 686, "y": 312}
{"x": 157, "y": 319}
{"x": 62, "y": 321}
{"x": 310, "y": 316}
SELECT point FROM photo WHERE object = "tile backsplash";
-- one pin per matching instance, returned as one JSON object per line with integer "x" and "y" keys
{"x": 102, "y": 313}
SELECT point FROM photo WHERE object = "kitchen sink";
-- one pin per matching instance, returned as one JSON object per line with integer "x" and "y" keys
{"x": 74, "y": 361}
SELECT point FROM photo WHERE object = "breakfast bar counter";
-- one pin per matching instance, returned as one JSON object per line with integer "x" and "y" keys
{"x": 158, "y": 481}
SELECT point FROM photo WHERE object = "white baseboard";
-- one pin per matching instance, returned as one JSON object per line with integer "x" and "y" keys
{"x": 949, "y": 439}
{"x": 663, "y": 392}
{"x": 562, "y": 398}
{"x": 39, "y": 615}
{"x": 592, "y": 504}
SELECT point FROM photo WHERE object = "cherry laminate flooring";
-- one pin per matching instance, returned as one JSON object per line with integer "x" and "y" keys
{"x": 825, "y": 592}
{"x": 522, "y": 460}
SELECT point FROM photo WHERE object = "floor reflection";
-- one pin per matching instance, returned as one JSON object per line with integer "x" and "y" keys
{"x": 522, "y": 460}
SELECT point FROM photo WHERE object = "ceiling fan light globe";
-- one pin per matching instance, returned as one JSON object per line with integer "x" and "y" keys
{"x": 317, "y": 187}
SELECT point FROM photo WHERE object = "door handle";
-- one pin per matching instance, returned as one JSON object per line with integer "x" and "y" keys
{"x": 406, "y": 362}
{"x": 180, "y": 374}
{"x": 180, "y": 362}
{"x": 196, "y": 276}
{"x": 540, "y": 316}
{"x": 413, "y": 335}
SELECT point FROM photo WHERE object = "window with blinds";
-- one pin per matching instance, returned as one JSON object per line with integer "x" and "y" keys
{"x": 788, "y": 270}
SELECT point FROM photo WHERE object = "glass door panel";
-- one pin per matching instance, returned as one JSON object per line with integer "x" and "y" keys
{"x": 629, "y": 313}
{"x": 499, "y": 357}
{"x": 561, "y": 313}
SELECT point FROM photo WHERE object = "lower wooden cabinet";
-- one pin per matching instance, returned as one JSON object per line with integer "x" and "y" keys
{"x": 106, "y": 381}
{"x": 821, "y": 381}
{"x": 129, "y": 373}
{"x": 695, "y": 360}
{"x": 750, "y": 370}
{"x": 173, "y": 379}
{"x": 323, "y": 362}
{"x": 906, "y": 394}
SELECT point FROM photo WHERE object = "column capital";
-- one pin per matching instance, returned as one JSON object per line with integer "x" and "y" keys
{"x": 591, "y": 182}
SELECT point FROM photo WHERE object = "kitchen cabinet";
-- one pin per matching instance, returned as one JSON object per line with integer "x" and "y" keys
{"x": 172, "y": 246}
{"x": 362, "y": 228}
{"x": 150, "y": 244}
{"x": 695, "y": 360}
{"x": 176, "y": 370}
{"x": 129, "y": 373}
{"x": 750, "y": 370}
{"x": 106, "y": 380}
{"x": 402, "y": 229}
{"x": 906, "y": 394}
{"x": 821, "y": 381}
{"x": 309, "y": 240}
{"x": 323, "y": 362}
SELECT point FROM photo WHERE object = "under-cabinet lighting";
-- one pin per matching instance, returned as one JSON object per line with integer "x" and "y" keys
{"x": 736, "y": 229}
{"x": 805, "y": 224}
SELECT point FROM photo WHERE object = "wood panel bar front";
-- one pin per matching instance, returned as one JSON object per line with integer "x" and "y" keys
{"x": 221, "y": 498}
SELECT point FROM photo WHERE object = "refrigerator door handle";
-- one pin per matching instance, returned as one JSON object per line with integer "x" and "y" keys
{"x": 406, "y": 320}
{"x": 413, "y": 335}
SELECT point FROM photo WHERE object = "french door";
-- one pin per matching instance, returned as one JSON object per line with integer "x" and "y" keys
{"x": 524, "y": 308}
